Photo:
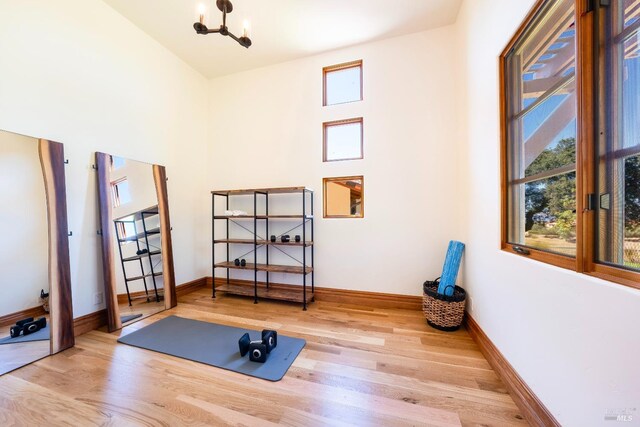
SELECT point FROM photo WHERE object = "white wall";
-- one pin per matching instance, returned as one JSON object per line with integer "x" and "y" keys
{"x": 573, "y": 339}
{"x": 77, "y": 72}
{"x": 23, "y": 224}
{"x": 266, "y": 130}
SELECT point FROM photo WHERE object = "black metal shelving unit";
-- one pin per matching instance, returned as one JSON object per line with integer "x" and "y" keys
{"x": 265, "y": 289}
{"x": 141, "y": 240}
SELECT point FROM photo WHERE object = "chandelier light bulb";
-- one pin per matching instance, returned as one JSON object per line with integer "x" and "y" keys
{"x": 246, "y": 28}
{"x": 202, "y": 10}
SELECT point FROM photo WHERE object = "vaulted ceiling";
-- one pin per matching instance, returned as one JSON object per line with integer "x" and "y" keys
{"x": 281, "y": 30}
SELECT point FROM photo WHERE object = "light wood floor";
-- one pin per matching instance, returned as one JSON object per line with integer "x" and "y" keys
{"x": 142, "y": 307}
{"x": 361, "y": 366}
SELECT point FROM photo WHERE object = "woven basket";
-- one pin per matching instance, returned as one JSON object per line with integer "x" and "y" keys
{"x": 443, "y": 312}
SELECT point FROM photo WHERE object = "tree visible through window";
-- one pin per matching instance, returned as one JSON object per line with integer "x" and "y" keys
{"x": 541, "y": 136}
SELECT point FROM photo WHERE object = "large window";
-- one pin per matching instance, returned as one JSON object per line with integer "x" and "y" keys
{"x": 571, "y": 138}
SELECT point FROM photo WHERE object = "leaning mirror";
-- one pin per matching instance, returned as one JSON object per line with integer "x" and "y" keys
{"x": 36, "y": 316}
{"x": 136, "y": 240}
{"x": 343, "y": 197}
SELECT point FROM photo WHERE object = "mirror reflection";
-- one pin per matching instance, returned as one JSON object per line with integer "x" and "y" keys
{"x": 24, "y": 283}
{"x": 344, "y": 197}
{"x": 137, "y": 246}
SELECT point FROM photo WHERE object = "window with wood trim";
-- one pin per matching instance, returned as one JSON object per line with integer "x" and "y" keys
{"x": 343, "y": 197}
{"x": 120, "y": 192}
{"x": 570, "y": 119}
{"x": 541, "y": 133}
{"x": 342, "y": 83}
{"x": 343, "y": 140}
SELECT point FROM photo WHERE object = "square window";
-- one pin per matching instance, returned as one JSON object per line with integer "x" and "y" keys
{"x": 343, "y": 140}
{"x": 342, "y": 83}
{"x": 343, "y": 197}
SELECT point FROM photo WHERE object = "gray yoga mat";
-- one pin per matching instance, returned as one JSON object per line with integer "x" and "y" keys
{"x": 215, "y": 345}
{"x": 129, "y": 317}
{"x": 42, "y": 335}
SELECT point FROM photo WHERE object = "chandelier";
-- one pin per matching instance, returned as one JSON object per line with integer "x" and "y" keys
{"x": 225, "y": 7}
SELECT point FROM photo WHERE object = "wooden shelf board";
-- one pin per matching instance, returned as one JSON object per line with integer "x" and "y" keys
{"x": 273, "y": 190}
{"x": 137, "y": 216}
{"x": 264, "y": 293}
{"x": 262, "y": 242}
{"x": 271, "y": 268}
{"x": 263, "y": 216}
{"x": 136, "y": 257}
{"x": 140, "y": 235}
{"x": 152, "y": 296}
{"x": 131, "y": 279}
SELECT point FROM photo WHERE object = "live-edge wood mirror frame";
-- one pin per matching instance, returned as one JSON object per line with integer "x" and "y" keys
{"x": 103, "y": 164}
{"x": 61, "y": 313}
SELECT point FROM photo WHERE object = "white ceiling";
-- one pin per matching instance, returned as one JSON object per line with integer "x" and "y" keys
{"x": 281, "y": 30}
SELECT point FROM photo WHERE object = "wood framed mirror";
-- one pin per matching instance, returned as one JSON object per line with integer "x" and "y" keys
{"x": 137, "y": 256}
{"x": 36, "y": 313}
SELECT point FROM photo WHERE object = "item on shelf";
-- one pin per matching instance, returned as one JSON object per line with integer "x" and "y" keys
{"x": 298, "y": 238}
{"x": 450, "y": 268}
{"x": 258, "y": 350}
{"x": 243, "y": 262}
{"x": 236, "y": 262}
{"x": 285, "y": 238}
{"x": 228, "y": 213}
{"x": 44, "y": 299}
{"x": 273, "y": 238}
{"x": 27, "y": 326}
{"x": 142, "y": 251}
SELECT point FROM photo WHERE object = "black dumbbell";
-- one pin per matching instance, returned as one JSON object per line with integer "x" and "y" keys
{"x": 243, "y": 262}
{"x": 257, "y": 349}
{"x": 285, "y": 238}
{"x": 35, "y": 326}
{"x": 257, "y": 352}
{"x": 243, "y": 343}
{"x": 270, "y": 339}
{"x": 236, "y": 262}
{"x": 273, "y": 238}
{"x": 16, "y": 329}
{"x": 298, "y": 238}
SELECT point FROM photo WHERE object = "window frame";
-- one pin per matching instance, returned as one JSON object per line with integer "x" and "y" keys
{"x": 342, "y": 122}
{"x": 587, "y": 126}
{"x": 325, "y": 181}
{"x": 339, "y": 67}
{"x": 115, "y": 193}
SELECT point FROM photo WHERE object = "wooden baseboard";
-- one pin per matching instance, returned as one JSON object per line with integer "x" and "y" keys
{"x": 89, "y": 322}
{"x": 98, "y": 319}
{"x": 343, "y": 296}
{"x": 194, "y": 285}
{"x": 532, "y": 408}
{"x": 12, "y": 318}
{"x": 183, "y": 289}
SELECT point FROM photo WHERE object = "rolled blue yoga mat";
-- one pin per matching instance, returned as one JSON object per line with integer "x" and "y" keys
{"x": 450, "y": 269}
